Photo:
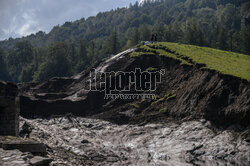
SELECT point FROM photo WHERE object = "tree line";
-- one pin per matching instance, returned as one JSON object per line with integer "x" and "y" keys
{"x": 74, "y": 46}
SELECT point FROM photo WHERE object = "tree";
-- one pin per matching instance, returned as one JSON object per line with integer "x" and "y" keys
{"x": 135, "y": 37}
{"x": 26, "y": 74}
{"x": 83, "y": 49}
{"x": 24, "y": 52}
{"x": 145, "y": 33}
{"x": 3, "y": 72}
{"x": 91, "y": 50}
{"x": 18, "y": 58}
{"x": 221, "y": 39}
{"x": 199, "y": 36}
{"x": 190, "y": 31}
{"x": 169, "y": 34}
{"x": 83, "y": 59}
{"x": 245, "y": 39}
{"x": 56, "y": 63}
{"x": 160, "y": 31}
{"x": 113, "y": 43}
{"x": 184, "y": 21}
{"x": 72, "y": 53}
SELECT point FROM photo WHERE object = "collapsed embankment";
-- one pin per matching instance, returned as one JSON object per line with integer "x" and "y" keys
{"x": 195, "y": 93}
{"x": 175, "y": 128}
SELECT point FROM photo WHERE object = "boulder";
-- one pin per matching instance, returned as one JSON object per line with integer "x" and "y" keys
{"x": 40, "y": 161}
{"x": 31, "y": 147}
{"x": 9, "y": 109}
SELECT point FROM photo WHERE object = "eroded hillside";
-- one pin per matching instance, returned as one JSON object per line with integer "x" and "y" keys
{"x": 198, "y": 115}
{"x": 187, "y": 90}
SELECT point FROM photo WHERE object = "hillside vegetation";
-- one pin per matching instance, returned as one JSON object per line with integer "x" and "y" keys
{"x": 72, "y": 47}
{"x": 225, "y": 62}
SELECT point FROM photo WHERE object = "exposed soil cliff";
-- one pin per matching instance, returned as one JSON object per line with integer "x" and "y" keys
{"x": 196, "y": 92}
{"x": 198, "y": 116}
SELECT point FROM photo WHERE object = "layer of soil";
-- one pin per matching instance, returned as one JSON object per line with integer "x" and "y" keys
{"x": 199, "y": 93}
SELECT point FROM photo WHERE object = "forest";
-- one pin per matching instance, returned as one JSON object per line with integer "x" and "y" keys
{"x": 72, "y": 47}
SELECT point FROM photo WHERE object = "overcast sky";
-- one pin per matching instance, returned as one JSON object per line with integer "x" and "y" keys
{"x": 23, "y": 17}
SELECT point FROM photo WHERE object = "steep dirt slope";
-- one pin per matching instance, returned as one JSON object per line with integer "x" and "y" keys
{"x": 192, "y": 93}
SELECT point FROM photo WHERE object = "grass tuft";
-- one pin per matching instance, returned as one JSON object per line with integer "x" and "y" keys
{"x": 138, "y": 54}
{"x": 163, "y": 110}
{"x": 171, "y": 97}
{"x": 166, "y": 97}
{"x": 151, "y": 69}
{"x": 135, "y": 105}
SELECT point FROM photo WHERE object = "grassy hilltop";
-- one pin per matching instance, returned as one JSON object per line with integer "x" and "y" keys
{"x": 225, "y": 62}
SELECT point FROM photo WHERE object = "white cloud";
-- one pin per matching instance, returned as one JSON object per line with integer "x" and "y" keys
{"x": 23, "y": 17}
{"x": 30, "y": 24}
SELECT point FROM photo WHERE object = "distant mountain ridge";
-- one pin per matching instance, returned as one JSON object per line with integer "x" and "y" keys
{"x": 123, "y": 19}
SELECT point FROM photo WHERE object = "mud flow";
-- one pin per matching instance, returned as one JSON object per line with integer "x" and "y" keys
{"x": 84, "y": 141}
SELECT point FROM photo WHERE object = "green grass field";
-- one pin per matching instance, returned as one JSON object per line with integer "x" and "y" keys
{"x": 225, "y": 62}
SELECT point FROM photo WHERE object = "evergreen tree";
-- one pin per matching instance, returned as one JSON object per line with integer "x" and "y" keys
{"x": 190, "y": 30}
{"x": 135, "y": 37}
{"x": 18, "y": 58}
{"x": 86, "y": 41}
{"x": 3, "y": 71}
{"x": 160, "y": 31}
{"x": 26, "y": 74}
{"x": 113, "y": 43}
{"x": 145, "y": 33}
{"x": 83, "y": 49}
{"x": 91, "y": 50}
{"x": 245, "y": 39}
{"x": 24, "y": 52}
{"x": 56, "y": 63}
{"x": 221, "y": 39}
{"x": 72, "y": 54}
{"x": 82, "y": 59}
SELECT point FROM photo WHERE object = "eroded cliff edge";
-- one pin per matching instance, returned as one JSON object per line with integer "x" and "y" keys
{"x": 198, "y": 93}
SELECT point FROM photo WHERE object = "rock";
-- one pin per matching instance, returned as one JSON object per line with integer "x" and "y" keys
{"x": 12, "y": 158}
{"x": 137, "y": 145}
{"x": 40, "y": 161}
{"x": 208, "y": 124}
{"x": 112, "y": 159}
{"x": 27, "y": 156}
{"x": 20, "y": 162}
{"x": 203, "y": 121}
{"x": 89, "y": 125}
{"x": 246, "y": 135}
{"x": 234, "y": 127}
{"x": 85, "y": 141}
{"x": 26, "y": 129}
{"x": 66, "y": 128}
{"x": 98, "y": 158}
{"x": 31, "y": 147}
